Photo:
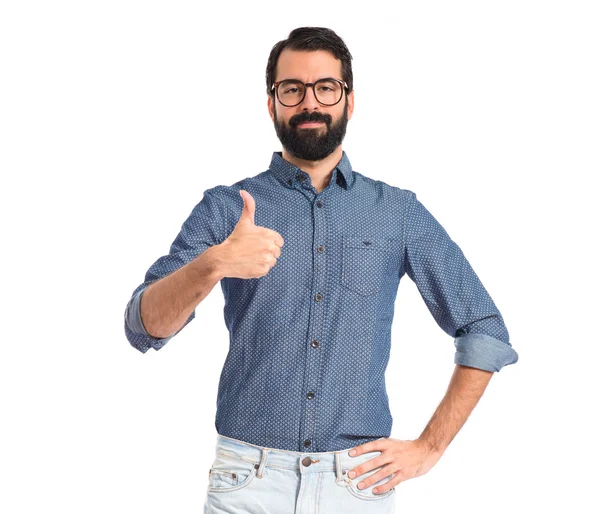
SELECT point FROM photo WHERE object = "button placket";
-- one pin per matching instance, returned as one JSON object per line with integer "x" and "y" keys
{"x": 316, "y": 318}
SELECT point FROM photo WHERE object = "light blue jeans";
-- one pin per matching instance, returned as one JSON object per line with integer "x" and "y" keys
{"x": 249, "y": 479}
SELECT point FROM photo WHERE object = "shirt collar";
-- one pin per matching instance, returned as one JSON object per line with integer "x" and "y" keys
{"x": 288, "y": 173}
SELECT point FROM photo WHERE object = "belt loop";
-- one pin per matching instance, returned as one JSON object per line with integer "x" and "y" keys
{"x": 338, "y": 467}
{"x": 263, "y": 463}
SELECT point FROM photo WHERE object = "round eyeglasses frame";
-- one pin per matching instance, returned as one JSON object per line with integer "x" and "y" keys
{"x": 275, "y": 88}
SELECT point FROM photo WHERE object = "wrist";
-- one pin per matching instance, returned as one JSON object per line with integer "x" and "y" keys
{"x": 215, "y": 261}
{"x": 431, "y": 447}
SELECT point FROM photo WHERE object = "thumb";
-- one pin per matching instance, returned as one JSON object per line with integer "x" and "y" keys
{"x": 249, "y": 207}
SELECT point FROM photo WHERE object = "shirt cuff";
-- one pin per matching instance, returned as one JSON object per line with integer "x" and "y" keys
{"x": 483, "y": 352}
{"x": 136, "y": 332}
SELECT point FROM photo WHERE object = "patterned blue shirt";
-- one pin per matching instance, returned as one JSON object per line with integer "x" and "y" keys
{"x": 318, "y": 325}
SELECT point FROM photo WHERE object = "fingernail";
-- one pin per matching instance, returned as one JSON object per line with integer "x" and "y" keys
{"x": 361, "y": 485}
{"x": 352, "y": 453}
{"x": 352, "y": 474}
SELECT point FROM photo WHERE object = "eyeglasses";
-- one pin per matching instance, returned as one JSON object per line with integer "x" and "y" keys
{"x": 327, "y": 91}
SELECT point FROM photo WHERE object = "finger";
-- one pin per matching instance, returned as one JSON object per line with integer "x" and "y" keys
{"x": 371, "y": 446}
{"x": 271, "y": 262}
{"x": 249, "y": 207}
{"x": 365, "y": 467}
{"x": 378, "y": 476}
{"x": 276, "y": 251}
{"x": 277, "y": 239}
{"x": 397, "y": 477}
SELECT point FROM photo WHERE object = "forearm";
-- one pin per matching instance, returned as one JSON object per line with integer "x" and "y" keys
{"x": 466, "y": 387}
{"x": 167, "y": 304}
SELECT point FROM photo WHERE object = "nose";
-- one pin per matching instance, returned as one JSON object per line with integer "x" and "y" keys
{"x": 310, "y": 101}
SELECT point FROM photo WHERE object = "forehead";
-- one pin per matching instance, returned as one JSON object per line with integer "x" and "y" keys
{"x": 307, "y": 65}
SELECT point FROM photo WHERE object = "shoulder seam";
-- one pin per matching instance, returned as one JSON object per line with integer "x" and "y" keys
{"x": 411, "y": 195}
{"x": 211, "y": 192}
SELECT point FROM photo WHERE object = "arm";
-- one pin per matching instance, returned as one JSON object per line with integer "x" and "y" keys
{"x": 176, "y": 283}
{"x": 466, "y": 387}
{"x": 407, "y": 459}
{"x": 462, "y": 307}
{"x": 204, "y": 252}
{"x": 453, "y": 293}
{"x": 165, "y": 305}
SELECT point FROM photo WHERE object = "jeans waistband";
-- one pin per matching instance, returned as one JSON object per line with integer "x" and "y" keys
{"x": 302, "y": 462}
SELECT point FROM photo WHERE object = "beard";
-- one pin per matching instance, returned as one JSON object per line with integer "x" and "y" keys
{"x": 311, "y": 144}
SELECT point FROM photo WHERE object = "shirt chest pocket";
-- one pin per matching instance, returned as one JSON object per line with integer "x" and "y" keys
{"x": 365, "y": 261}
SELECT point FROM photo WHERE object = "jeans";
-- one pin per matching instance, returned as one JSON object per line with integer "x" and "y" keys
{"x": 249, "y": 479}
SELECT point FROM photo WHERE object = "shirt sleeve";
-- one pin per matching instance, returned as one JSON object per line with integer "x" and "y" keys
{"x": 453, "y": 293}
{"x": 203, "y": 228}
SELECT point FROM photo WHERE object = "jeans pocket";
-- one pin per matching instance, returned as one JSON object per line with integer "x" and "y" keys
{"x": 364, "y": 263}
{"x": 230, "y": 474}
{"x": 367, "y": 493}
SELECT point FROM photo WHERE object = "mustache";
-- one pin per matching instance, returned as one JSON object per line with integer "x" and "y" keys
{"x": 310, "y": 117}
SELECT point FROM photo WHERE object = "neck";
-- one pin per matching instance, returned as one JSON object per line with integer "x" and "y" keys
{"x": 319, "y": 171}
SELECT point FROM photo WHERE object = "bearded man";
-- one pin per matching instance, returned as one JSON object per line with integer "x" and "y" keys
{"x": 309, "y": 255}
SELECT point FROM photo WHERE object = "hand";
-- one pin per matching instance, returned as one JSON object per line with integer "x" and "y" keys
{"x": 400, "y": 459}
{"x": 249, "y": 251}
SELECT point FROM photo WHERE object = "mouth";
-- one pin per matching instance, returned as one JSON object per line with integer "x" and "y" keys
{"x": 310, "y": 124}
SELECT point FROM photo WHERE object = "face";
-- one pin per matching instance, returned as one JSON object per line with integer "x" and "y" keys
{"x": 310, "y": 141}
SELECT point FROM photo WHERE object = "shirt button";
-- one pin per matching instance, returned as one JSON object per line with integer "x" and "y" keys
{"x": 302, "y": 178}
{"x": 289, "y": 182}
{"x": 310, "y": 395}
{"x": 315, "y": 343}
{"x": 319, "y": 203}
{"x": 318, "y": 297}
{"x": 306, "y": 445}
{"x": 320, "y": 249}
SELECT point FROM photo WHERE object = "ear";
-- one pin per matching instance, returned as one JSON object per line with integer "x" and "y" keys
{"x": 270, "y": 106}
{"x": 350, "y": 104}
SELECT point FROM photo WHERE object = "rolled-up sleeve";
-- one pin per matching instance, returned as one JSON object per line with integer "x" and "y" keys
{"x": 203, "y": 228}
{"x": 453, "y": 293}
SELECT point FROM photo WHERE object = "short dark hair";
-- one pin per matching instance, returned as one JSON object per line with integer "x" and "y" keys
{"x": 312, "y": 38}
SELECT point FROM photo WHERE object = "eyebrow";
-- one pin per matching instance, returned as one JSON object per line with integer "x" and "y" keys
{"x": 300, "y": 80}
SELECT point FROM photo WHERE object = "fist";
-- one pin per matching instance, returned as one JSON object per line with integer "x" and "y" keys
{"x": 250, "y": 251}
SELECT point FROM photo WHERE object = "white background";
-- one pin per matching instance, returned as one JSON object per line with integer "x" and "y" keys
{"x": 115, "y": 116}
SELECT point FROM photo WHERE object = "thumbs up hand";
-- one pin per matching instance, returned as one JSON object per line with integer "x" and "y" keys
{"x": 250, "y": 251}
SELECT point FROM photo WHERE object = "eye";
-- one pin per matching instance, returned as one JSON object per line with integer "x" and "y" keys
{"x": 290, "y": 90}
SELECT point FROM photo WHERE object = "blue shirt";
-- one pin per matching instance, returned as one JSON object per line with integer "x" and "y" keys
{"x": 309, "y": 342}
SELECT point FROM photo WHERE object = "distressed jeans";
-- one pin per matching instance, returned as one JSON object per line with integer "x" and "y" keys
{"x": 249, "y": 479}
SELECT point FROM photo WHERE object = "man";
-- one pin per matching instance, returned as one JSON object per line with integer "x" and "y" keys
{"x": 309, "y": 255}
